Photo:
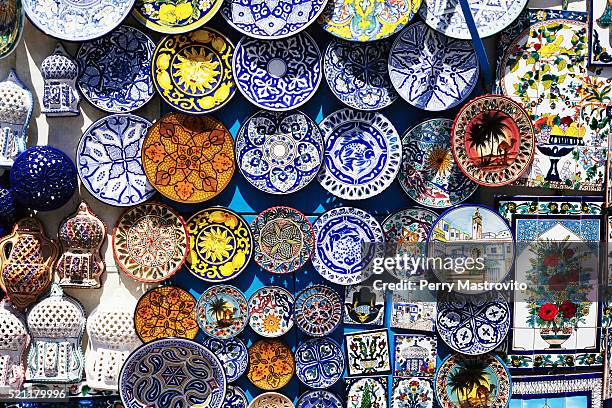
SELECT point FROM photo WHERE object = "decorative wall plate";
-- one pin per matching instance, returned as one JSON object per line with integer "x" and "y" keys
{"x": 271, "y": 311}
{"x": 188, "y": 159}
{"x": 13, "y": 347}
{"x": 271, "y": 400}
{"x": 166, "y": 311}
{"x": 495, "y": 385}
{"x": 368, "y": 353}
{"x": 109, "y": 160}
{"x": 233, "y": 355}
{"x": 429, "y": 174}
{"x": 367, "y": 20}
{"x": 318, "y": 399}
{"x": 235, "y": 398}
{"x": 371, "y": 391}
{"x": 412, "y": 393}
{"x": 222, "y": 311}
{"x": 319, "y": 362}
{"x": 150, "y": 242}
{"x": 363, "y": 305}
{"x": 358, "y": 75}
{"x": 16, "y": 107}
{"x": 115, "y": 73}
{"x": 271, "y": 20}
{"x": 347, "y": 240}
{"x": 493, "y": 140}
{"x": 278, "y": 75}
{"x": 12, "y": 27}
{"x": 174, "y": 17}
{"x": 192, "y": 72}
{"x": 431, "y": 71}
{"x": 362, "y": 154}
{"x": 221, "y": 244}
{"x": 279, "y": 152}
{"x": 271, "y": 364}
{"x": 174, "y": 373}
{"x": 317, "y": 310}
{"x": 414, "y": 355}
{"x": 77, "y": 21}
{"x": 283, "y": 239}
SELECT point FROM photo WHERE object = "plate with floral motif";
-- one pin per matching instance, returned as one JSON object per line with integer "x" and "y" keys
{"x": 232, "y": 353}
{"x": 271, "y": 311}
{"x": 271, "y": 400}
{"x": 235, "y": 398}
{"x": 193, "y": 72}
{"x": 271, "y": 364}
{"x": 319, "y": 362}
{"x": 318, "y": 310}
{"x": 222, "y": 312}
{"x": 319, "y": 399}
{"x": 173, "y": 17}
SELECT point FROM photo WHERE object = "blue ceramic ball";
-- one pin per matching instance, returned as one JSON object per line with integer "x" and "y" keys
{"x": 43, "y": 178}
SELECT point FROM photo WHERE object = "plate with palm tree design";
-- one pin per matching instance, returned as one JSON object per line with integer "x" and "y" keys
{"x": 222, "y": 312}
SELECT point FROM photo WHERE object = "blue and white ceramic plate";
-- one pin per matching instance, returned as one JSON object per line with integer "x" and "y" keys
{"x": 235, "y": 398}
{"x": 358, "y": 74}
{"x": 271, "y": 20}
{"x": 319, "y": 399}
{"x": 108, "y": 159}
{"x": 77, "y": 20}
{"x": 232, "y": 353}
{"x": 279, "y": 152}
{"x": 363, "y": 154}
{"x": 317, "y": 310}
{"x": 278, "y": 75}
{"x": 115, "y": 70}
{"x": 319, "y": 363}
{"x": 431, "y": 71}
{"x": 347, "y": 241}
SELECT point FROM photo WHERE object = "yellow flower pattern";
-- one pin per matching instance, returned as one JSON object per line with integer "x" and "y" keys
{"x": 175, "y": 16}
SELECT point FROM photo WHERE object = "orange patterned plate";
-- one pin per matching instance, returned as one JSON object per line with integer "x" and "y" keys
{"x": 187, "y": 158}
{"x": 271, "y": 364}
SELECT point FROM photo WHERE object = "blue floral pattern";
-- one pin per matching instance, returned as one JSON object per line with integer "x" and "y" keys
{"x": 319, "y": 399}
{"x": 319, "y": 362}
{"x": 235, "y": 398}
{"x": 233, "y": 355}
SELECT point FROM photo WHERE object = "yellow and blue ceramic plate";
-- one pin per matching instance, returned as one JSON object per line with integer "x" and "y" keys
{"x": 175, "y": 16}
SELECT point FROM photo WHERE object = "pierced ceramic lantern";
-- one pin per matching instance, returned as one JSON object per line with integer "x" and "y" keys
{"x": 27, "y": 256}
{"x": 81, "y": 235}
{"x": 12, "y": 17}
{"x": 60, "y": 72}
{"x": 56, "y": 324}
{"x": 16, "y": 105}
{"x": 14, "y": 341}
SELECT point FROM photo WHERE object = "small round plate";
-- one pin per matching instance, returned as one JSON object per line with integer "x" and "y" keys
{"x": 222, "y": 312}
{"x": 363, "y": 154}
{"x": 271, "y": 365}
{"x": 271, "y": 310}
{"x": 279, "y": 152}
{"x": 232, "y": 353}
{"x": 165, "y": 311}
{"x": 493, "y": 140}
{"x": 318, "y": 399}
{"x": 189, "y": 159}
{"x": 109, "y": 160}
{"x": 221, "y": 244}
{"x": 278, "y": 75}
{"x": 192, "y": 72}
{"x": 370, "y": 388}
{"x": 77, "y": 20}
{"x": 431, "y": 71}
{"x": 319, "y": 362}
{"x": 115, "y": 70}
{"x": 150, "y": 242}
{"x": 283, "y": 239}
{"x": 170, "y": 372}
{"x": 367, "y": 20}
{"x": 271, "y": 400}
{"x": 235, "y": 398}
{"x": 269, "y": 20}
{"x": 318, "y": 310}
{"x": 347, "y": 241}
{"x": 429, "y": 174}
{"x": 358, "y": 75}
{"x": 175, "y": 17}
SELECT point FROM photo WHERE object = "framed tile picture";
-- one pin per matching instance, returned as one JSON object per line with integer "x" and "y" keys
{"x": 414, "y": 355}
{"x": 367, "y": 353}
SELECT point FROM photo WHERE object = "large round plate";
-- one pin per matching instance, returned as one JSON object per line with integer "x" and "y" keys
{"x": 494, "y": 379}
{"x": 165, "y": 311}
{"x": 221, "y": 244}
{"x": 490, "y": 16}
{"x": 367, "y": 20}
{"x": 235, "y": 398}
{"x": 188, "y": 159}
{"x": 318, "y": 399}
{"x": 150, "y": 242}
{"x": 109, "y": 160}
{"x": 271, "y": 310}
{"x": 11, "y": 31}
{"x": 174, "y": 373}
{"x": 173, "y": 17}
{"x": 222, "y": 312}
{"x": 271, "y": 364}
{"x": 279, "y": 152}
{"x": 283, "y": 239}
{"x": 319, "y": 362}
{"x": 429, "y": 173}
{"x": 363, "y": 154}
{"x": 278, "y": 75}
{"x": 317, "y": 310}
{"x": 77, "y": 20}
{"x": 192, "y": 72}
{"x": 347, "y": 241}
{"x": 271, "y": 20}
{"x": 232, "y": 353}
{"x": 271, "y": 400}
{"x": 115, "y": 70}
{"x": 493, "y": 140}
{"x": 358, "y": 75}
{"x": 431, "y": 71}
